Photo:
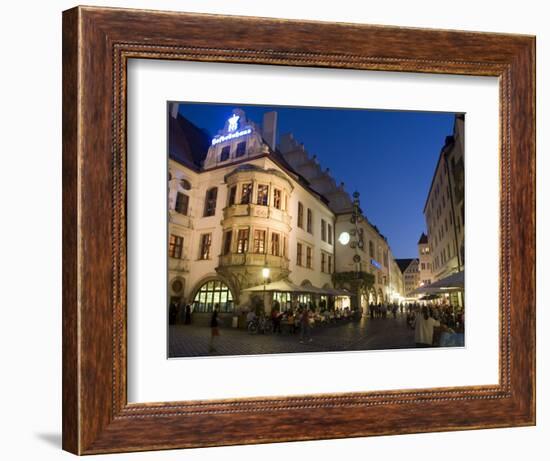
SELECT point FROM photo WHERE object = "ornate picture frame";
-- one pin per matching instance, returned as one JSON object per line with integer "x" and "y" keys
{"x": 97, "y": 44}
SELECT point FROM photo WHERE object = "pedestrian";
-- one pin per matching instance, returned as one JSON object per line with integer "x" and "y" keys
{"x": 305, "y": 327}
{"x": 214, "y": 330}
{"x": 424, "y": 328}
{"x": 172, "y": 312}
{"x": 276, "y": 318}
{"x": 187, "y": 314}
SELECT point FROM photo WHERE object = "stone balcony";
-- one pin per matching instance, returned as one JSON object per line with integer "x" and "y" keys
{"x": 256, "y": 211}
{"x": 180, "y": 219}
{"x": 254, "y": 259}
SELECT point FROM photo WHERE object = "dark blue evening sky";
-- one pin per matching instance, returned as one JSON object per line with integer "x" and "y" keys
{"x": 388, "y": 156}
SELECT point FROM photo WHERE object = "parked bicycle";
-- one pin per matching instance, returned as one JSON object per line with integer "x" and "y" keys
{"x": 260, "y": 324}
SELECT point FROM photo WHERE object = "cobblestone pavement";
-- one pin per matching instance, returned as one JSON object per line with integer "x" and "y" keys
{"x": 366, "y": 334}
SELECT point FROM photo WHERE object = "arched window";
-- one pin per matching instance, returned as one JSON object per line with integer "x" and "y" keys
{"x": 210, "y": 201}
{"x": 212, "y": 293}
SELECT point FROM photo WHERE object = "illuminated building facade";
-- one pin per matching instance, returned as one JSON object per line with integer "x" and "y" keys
{"x": 425, "y": 260}
{"x": 237, "y": 209}
{"x": 375, "y": 254}
{"x": 238, "y": 204}
{"x": 444, "y": 209}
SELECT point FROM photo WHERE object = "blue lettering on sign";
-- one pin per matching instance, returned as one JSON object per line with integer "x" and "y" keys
{"x": 375, "y": 264}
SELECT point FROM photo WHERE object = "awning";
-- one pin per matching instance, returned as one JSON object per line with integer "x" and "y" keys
{"x": 285, "y": 286}
{"x": 453, "y": 282}
{"x": 280, "y": 285}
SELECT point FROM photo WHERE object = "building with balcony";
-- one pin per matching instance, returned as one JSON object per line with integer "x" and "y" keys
{"x": 236, "y": 207}
{"x": 238, "y": 204}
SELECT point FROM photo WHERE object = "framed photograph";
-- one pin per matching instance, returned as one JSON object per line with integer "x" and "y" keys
{"x": 281, "y": 230}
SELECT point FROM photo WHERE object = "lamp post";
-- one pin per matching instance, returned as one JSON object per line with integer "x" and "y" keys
{"x": 357, "y": 242}
{"x": 265, "y": 276}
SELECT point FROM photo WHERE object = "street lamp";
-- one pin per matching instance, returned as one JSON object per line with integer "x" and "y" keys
{"x": 344, "y": 238}
{"x": 265, "y": 275}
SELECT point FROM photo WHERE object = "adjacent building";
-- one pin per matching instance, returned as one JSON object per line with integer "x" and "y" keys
{"x": 372, "y": 248}
{"x": 411, "y": 275}
{"x": 425, "y": 260}
{"x": 444, "y": 209}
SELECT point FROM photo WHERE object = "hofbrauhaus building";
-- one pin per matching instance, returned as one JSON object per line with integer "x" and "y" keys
{"x": 245, "y": 225}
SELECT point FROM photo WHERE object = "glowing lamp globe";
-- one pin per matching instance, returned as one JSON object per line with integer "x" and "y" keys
{"x": 344, "y": 238}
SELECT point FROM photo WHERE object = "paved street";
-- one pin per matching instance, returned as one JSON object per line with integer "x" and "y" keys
{"x": 367, "y": 334}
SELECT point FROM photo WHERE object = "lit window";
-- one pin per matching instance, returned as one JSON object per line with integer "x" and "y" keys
{"x": 175, "y": 247}
{"x": 259, "y": 241}
{"x": 206, "y": 242}
{"x": 213, "y": 293}
{"x": 263, "y": 192}
{"x": 242, "y": 241}
{"x": 277, "y": 198}
{"x": 246, "y": 192}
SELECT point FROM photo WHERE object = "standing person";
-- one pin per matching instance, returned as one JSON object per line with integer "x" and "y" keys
{"x": 276, "y": 318}
{"x": 304, "y": 324}
{"x": 424, "y": 328}
{"x": 172, "y": 312}
{"x": 214, "y": 331}
{"x": 187, "y": 315}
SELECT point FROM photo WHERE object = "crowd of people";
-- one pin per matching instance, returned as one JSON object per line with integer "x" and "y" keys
{"x": 178, "y": 313}
{"x": 434, "y": 324}
{"x": 299, "y": 318}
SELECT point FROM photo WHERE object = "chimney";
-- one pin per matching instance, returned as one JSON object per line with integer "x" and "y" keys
{"x": 269, "y": 128}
